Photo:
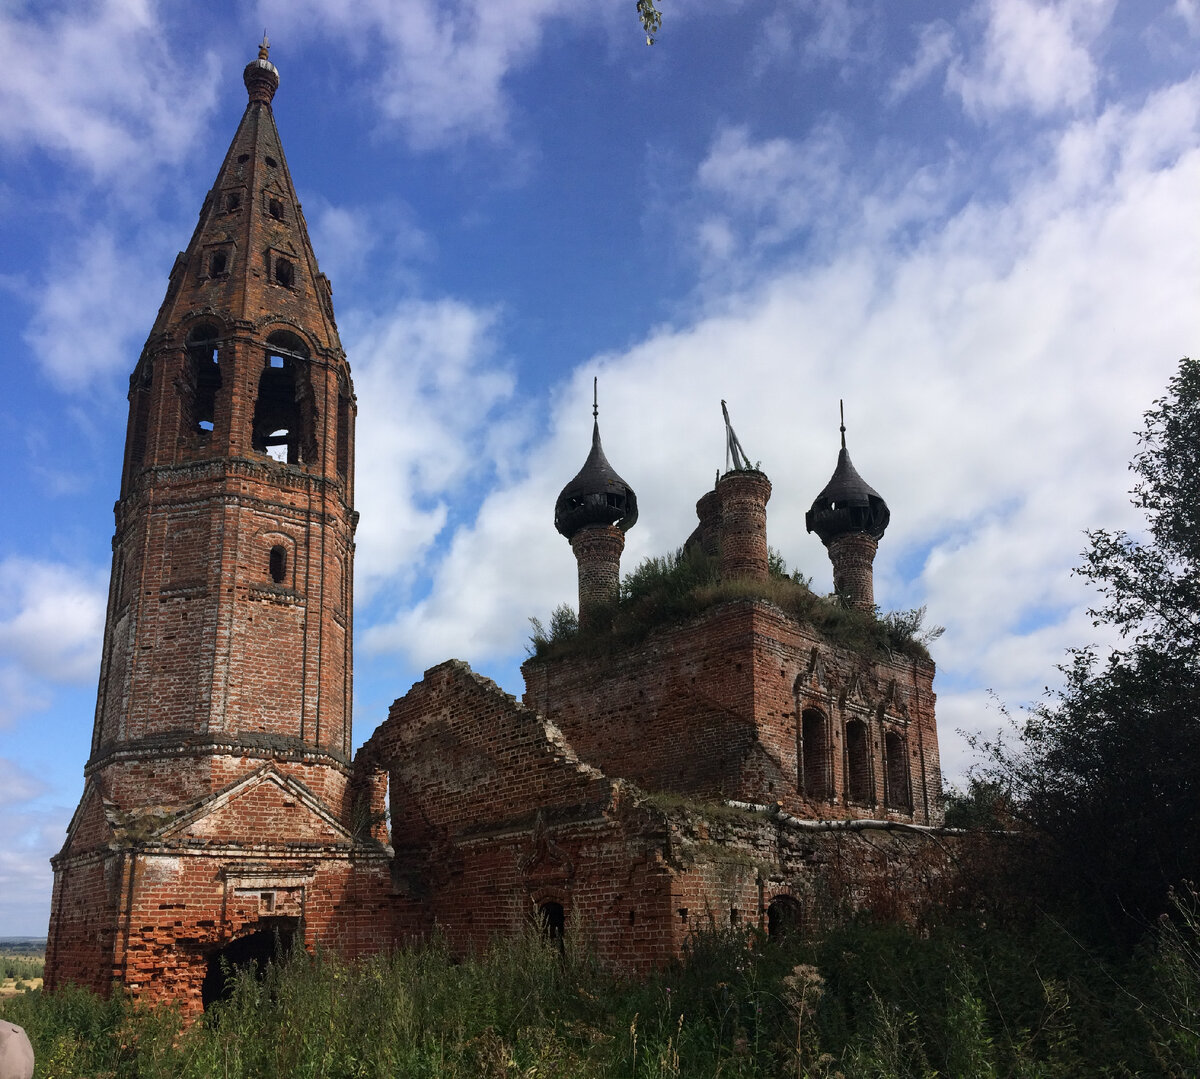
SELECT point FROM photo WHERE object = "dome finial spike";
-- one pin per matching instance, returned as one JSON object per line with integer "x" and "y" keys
{"x": 842, "y": 411}
{"x": 264, "y": 49}
{"x": 595, "y": 397}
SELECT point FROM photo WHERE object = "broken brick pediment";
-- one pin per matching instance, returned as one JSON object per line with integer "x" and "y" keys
{"x": 264, "y": 806}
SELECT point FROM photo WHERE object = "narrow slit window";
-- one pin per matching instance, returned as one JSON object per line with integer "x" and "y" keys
{"x": 275, "y": 209}
{"x": 278, "y": 564}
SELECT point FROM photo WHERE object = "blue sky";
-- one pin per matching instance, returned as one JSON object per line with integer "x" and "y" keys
{"x": 978, "y": 223}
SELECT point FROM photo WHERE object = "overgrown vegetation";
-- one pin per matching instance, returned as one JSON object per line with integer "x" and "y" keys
{"x": 671, "y": 589}
{"x": 865, "y": 1001}
{"x": 1105, "y": 771}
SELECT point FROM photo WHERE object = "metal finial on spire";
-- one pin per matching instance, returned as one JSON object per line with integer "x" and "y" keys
{"x": 842, "y": 411}
{"x": 264, "y": 49}
{"x": 595, "y": 398}
{"x": 733, "y": 446}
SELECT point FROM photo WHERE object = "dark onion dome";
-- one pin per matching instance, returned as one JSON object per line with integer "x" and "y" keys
{"x": 848, "y": 504}
{"x": 597, "y": 496}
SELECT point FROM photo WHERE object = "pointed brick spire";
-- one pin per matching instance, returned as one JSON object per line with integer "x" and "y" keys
{"x": 250, "y": 252}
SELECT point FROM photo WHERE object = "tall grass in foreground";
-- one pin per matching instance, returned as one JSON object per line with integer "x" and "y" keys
{"x": 864, "y": 1002}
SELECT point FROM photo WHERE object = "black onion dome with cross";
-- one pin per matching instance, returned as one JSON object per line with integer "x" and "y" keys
{"x": 597, "y": 495}
{"x": 848, "y": 504}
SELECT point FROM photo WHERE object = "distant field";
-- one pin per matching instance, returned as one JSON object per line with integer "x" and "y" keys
{"x": 34, "y": 946}
{"x": 21, "y": 964}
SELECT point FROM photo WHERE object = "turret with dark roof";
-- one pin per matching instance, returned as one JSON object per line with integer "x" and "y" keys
{"x": 850, "y": 517}
{"x": 594, "y": 511}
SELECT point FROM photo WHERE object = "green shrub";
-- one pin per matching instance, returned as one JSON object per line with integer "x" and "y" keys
{"x": 671, "y": 589}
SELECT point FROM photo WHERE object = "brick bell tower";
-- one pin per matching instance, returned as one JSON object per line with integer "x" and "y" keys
{"x": 215, "y": 811}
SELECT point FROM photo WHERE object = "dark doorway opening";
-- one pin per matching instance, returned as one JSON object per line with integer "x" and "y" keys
{"x": 270, "y": 943}
{"x": 783, "y": 917}
{"x": 553, "y": 920}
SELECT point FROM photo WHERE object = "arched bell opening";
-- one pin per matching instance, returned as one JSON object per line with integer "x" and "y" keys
{"x": 285, "y": 412}
{"x": 271, "y": 941}
{"x": 203, "y": 378}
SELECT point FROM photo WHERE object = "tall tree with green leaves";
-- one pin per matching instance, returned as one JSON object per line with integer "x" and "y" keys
{"x": 1108, "y": 770}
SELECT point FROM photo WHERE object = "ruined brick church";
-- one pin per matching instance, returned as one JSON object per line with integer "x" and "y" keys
{"x": 738, "y": 767}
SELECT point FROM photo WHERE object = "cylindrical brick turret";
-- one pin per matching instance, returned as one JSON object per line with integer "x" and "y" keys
{"x": 708, "y": 510}
{"x": 594, "y": 511}
{"x": 598, "y": 553}
{"x": 742, "y": 495}
{"x": 853, "y": 557}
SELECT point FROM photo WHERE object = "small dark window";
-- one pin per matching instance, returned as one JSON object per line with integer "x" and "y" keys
{"x": 217, "y": 263}
{"x": 243, "y": 158}
{"x": 275, "y": 209}
{"x": 233, "y": 200}
{"x": 278, "y": 564}
{"x": 284, "y": 274}
{"x": 271, "y": 161}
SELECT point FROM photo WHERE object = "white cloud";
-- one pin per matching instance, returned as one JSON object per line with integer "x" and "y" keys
{"x": 347, "y": 238}
{"x": 100, "y": 88}
{"x": 1035, "y": 56}
{"x": 31, "y": 837}
{"x": 436, "y": 69}
{"x": 428, "y": 382}
{"x": 51, "y": 622}
{"x": 935, "y": 47}
{"x": 16, "y": 784}
{"x": 98, "y": 299}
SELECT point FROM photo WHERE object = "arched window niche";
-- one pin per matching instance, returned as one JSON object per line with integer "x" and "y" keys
{"x": 858, "y": 763}
{"x": 815, "y": 772}
{"x": 284, "y": 424}
{"x": 898, "y": 787}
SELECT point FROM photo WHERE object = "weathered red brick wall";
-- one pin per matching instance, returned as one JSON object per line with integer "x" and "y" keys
{"x": 710, "y": 709}
{"x": 493, "y": 815}
{"x": 734, "y": 864}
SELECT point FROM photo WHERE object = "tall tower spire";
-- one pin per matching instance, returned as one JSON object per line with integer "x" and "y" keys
{"x": 227, "y": 645}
